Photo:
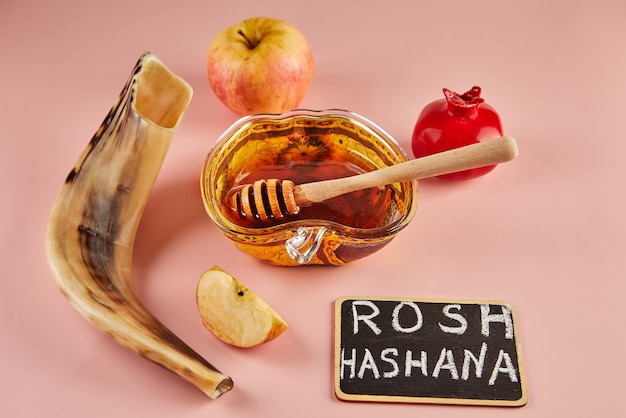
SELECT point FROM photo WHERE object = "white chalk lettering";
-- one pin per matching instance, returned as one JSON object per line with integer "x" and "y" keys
{"x": 448, "y": 357}
{"x": 351, "y": 362}
{"x": 479, "y": 362}
{"x": 384, "y": 356}
{"x": 410, "y": 363}
{"x": 395, "y": 321}
{"x": 510, "y": 369}
{"x": 387, "y": 364}
{"x": 367, "y": 319}
{"x": 368, "y": 363}
{"x": 505, "y": 317}
{"x": 458, "y": 330}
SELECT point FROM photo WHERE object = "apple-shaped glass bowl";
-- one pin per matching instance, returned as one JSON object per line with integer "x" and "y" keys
{"x": 305, "y": 146}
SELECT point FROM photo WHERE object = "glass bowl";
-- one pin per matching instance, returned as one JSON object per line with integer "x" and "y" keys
{"x": 304, "y": 146}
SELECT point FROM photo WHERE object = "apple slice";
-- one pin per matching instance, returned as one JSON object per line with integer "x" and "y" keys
{"x": 234, "y": 313}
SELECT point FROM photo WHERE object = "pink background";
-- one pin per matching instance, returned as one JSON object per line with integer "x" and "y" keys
{"x": 544, "y": 233}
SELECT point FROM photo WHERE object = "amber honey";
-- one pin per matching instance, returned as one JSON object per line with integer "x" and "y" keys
{"x": 366, "y": 208}
{"x": 307, "y": 146}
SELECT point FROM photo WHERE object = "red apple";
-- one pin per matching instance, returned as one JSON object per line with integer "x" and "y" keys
{"x": 260, "y": 65}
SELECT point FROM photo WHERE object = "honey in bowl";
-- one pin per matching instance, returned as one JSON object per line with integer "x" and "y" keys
{"x": 307, "y": 146}
{"x": 361, "y": 209}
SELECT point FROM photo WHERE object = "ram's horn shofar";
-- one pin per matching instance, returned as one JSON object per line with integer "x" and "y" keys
{"x": 91, "y": 232}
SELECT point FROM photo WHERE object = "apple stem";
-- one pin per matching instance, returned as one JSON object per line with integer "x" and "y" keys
{"x": 251, "y": 44}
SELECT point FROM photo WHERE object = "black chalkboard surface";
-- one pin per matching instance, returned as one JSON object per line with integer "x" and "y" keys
{"x": 409, "y": 350}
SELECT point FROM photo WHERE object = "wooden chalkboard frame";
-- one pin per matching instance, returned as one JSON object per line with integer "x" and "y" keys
{"x": 519, "y": 397}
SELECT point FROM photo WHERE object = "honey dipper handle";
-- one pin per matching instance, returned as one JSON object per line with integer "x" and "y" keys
{"x": 490, "y": 152}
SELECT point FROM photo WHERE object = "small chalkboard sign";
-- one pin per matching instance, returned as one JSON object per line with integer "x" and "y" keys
{"x": 427, "y": 351}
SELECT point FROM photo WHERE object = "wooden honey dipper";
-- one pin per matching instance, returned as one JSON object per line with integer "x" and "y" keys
{"x": 275, "y": 199}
